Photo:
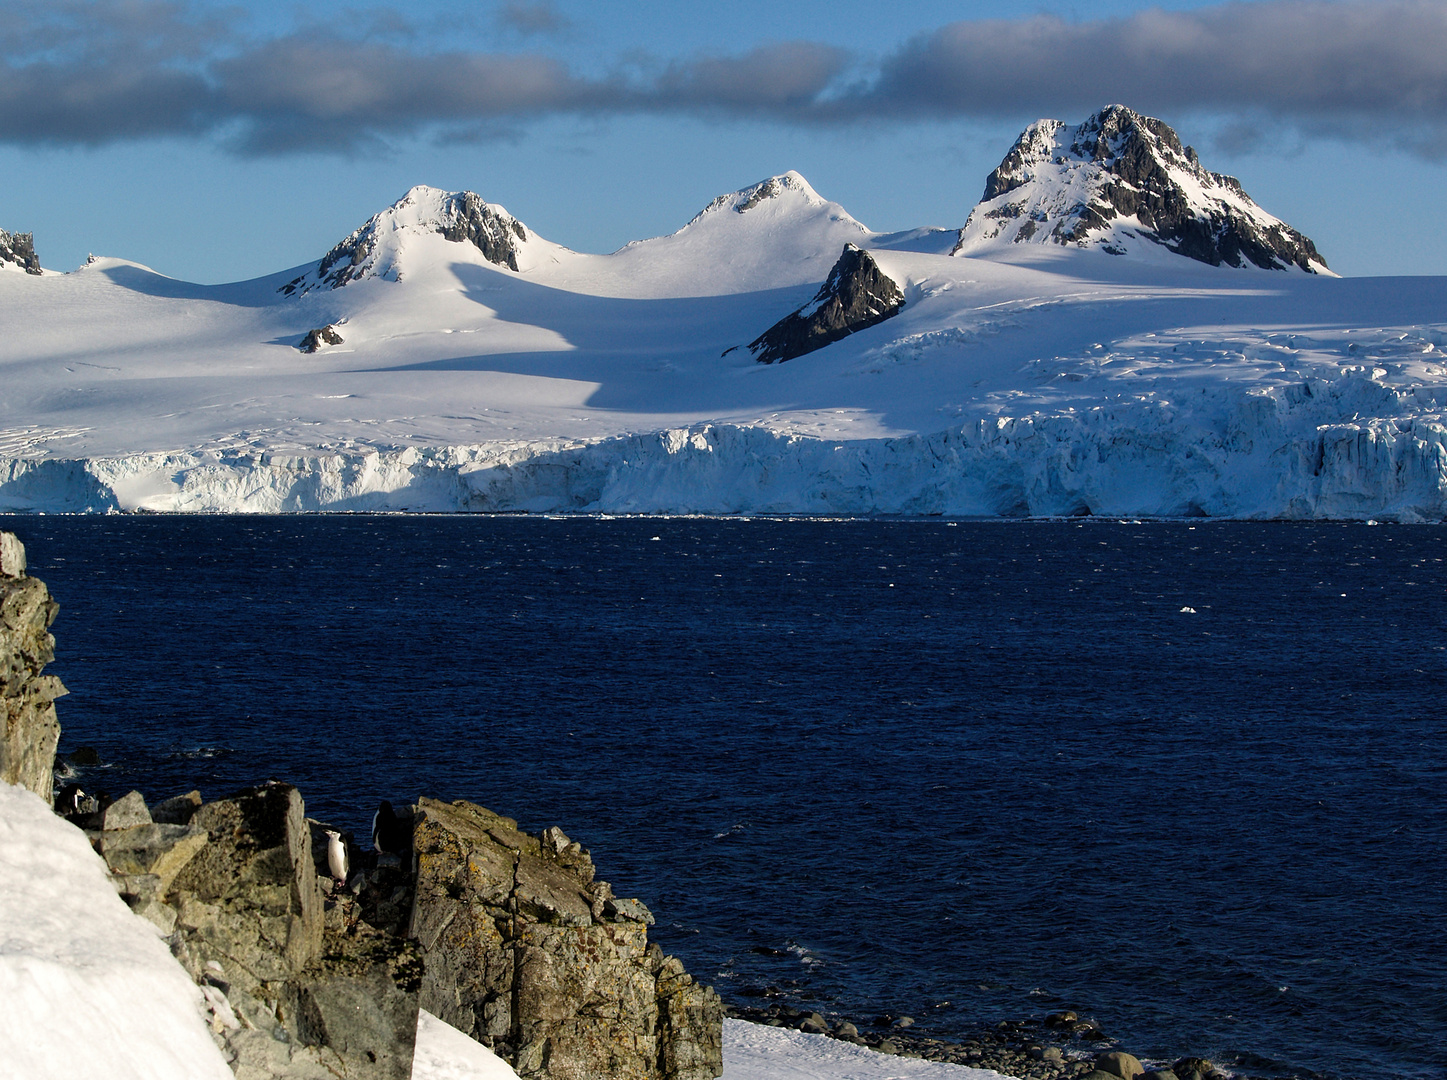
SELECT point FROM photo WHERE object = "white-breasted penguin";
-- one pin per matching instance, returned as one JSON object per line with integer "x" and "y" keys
{"x": 336, "y": 855}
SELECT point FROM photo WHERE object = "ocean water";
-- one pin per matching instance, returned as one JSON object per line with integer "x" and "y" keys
{"x": 1185, "y": 778}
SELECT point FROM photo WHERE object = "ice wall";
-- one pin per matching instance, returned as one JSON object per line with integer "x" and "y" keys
{"x": 1308, "y": 450}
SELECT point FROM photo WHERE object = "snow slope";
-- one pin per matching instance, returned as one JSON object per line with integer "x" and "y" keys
{"x": 1023, "y": 379}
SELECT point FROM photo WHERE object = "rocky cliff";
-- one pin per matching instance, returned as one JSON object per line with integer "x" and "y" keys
{"x": 17, "y": 251}
{"x": 507, "y": 936}
{"x": 1120, "y": 178}
{"x": 527, "y": 952}
{"x": 856, "y": 295}
{"x": 27, "y": 696}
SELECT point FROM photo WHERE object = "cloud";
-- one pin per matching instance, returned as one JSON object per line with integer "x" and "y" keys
{"x": 301, "y": 94}
{"x": 1311, "y": 62}
{"x": 74, "y": 72}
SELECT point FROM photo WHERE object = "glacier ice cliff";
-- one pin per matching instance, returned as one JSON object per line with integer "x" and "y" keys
{"x": 1344, "y": 448}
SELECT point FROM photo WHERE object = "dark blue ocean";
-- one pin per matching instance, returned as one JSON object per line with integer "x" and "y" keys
{"x": 968, "y": 772}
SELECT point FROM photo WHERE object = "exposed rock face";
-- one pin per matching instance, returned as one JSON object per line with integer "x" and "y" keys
{"x": 320, "y": 339}
{"x": 295, "y": 988}
{"x": 1120, "y": 178}
{"x": 27, "y": 696}
{"x": 856, "y": 295}
{"x": 459, "y": 216}
{"x": 18, "y": 250}
{"x": 528, "y": 953}
{"x": 504, "y": 935}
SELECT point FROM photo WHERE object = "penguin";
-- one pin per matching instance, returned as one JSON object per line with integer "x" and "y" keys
{"x": 391, "y": 834}
{"x": 336, "y": 855}
{"x": 69, "y": 800}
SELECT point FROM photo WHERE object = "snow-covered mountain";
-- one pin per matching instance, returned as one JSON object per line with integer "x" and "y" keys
{"x": 375, "y": 249}
{"x": 462, "y": 362}
{"x": 1120, "y": 180}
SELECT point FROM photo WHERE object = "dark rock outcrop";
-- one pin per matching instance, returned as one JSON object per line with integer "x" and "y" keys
{"x": 492, "y": 232}
{"x": 1128, "y": 166}
{"x": 856, "y": 295}
{"x": 19, "y": 249}
{"x": 320, "y": 338}
{"x": 527, "y": 952}
{"x": 27, "y": 695}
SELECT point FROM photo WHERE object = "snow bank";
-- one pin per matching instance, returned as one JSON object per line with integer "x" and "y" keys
{"x": 444, "y": 1053}
{"x": 86, "y": 987}
{"x": 756, "y": 1052}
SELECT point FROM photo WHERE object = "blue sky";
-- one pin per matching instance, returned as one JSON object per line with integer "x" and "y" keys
{"x": 216, "y": 141}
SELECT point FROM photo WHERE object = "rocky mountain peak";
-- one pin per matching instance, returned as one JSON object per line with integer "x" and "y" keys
{"x": 1119, "y": 179}
{"x": 786, "y": 188}
{"x": 371, "y": 251}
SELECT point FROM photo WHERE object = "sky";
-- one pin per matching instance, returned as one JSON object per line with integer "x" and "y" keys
{"x": 218, "y": 141}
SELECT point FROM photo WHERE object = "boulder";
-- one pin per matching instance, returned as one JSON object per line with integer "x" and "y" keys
{"x": 12, "y": 556}
{"x": 291, "y": 994}
{"x": 27, "y": 696}
{"x": 158, "y": 851}
{"x": 177, "y": 811}
{"x": 125, "y": 813}
{"x": 526, "y": 952}
{"x": 1194, "y": 1068}
{"x": 1120, "y": 1064}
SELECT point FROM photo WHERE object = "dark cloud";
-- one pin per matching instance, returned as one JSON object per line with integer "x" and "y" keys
{"x": 104, "y": 70}
{"x": 296, "y": 94}
{"x": 1294, "y": 58}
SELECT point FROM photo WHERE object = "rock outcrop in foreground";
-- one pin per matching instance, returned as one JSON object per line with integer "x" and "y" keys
{"x": 524, "y": 950}
{"x": 856, "y": 296}
{"x": 27, "y": 696}
{"x": 506, "y": 936}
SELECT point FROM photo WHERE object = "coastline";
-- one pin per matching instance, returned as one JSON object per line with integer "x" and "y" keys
{"x": 1061, "y": 1046}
